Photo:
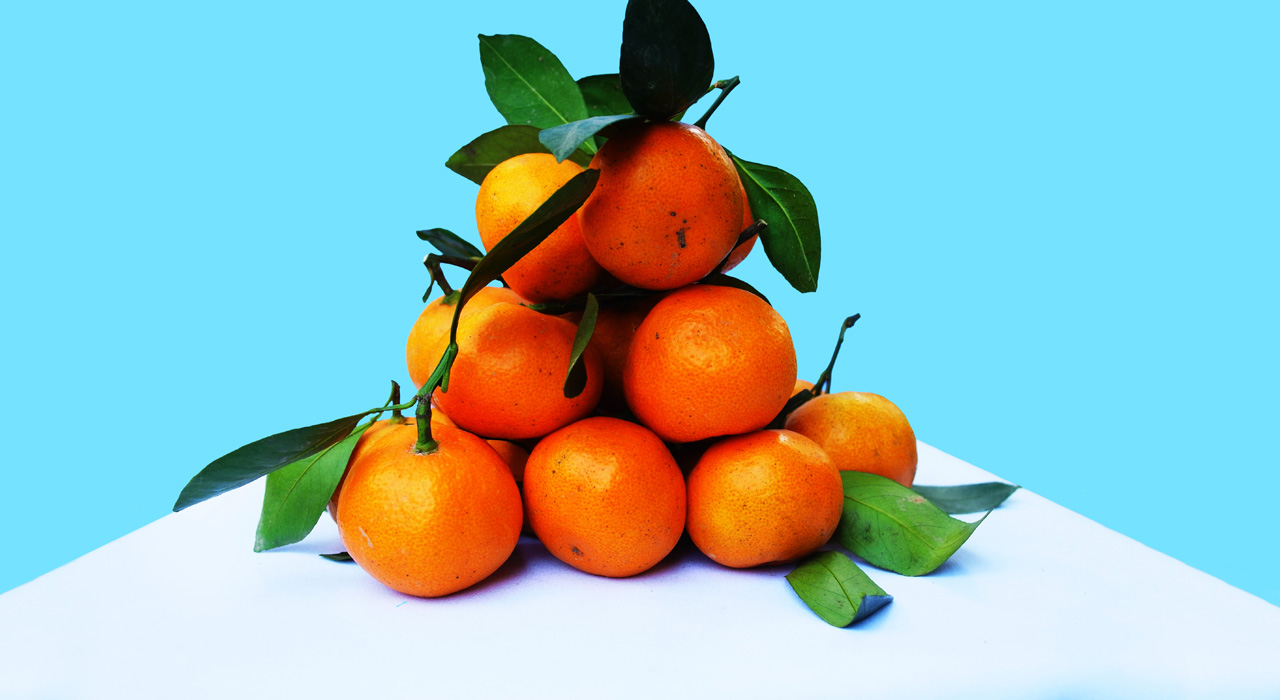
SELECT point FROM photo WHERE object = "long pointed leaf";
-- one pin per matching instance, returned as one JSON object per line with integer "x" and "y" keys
{"x": 527, "y": 83}
{"x": 474, "y": 160}
{"x": 968, "y": 498}
{"x": 576, "y": 379}
{"x": 566, "y": 139}
{"x": 450, "y": 243}
{"x": 792, "y": 240}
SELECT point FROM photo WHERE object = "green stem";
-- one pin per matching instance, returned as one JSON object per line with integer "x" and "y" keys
{"x": 726, "y": 87}
{"x": 825, "y": 377}
{"x": 425, "y": 445}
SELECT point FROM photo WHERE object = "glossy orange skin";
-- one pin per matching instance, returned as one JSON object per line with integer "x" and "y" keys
{"x": 740, "y": 252}
{"x": 763, "y": 498}
{"x": 429, "y": 525}
{"x": 373, "y": 433}
{"x": 514, "y": 455}
{"x": 667, "y": 208}
{"x": 430, "y": 333}
{"x": 605, "y": 496}
{"x": 560, "y": 268}
{"x": 862, "y": 432}
{"x": 508, "y": 378}
{"x": 615, "y": 328}
{"x": 709, "y": 361}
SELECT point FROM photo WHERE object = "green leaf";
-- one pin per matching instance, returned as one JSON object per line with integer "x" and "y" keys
{"x": 474, "y": 160}
{"x": 719, "y": 279}
{"x": 603, "y": 95}
{"x": 298, "y": 493}
{"x": 836, "y": 589}
{"x": 527, "y": 83}
{"x": 576, "y": 379}
{"x": 969, "y": 498}
{"x": 257, "y": 459}
{"x": 562, "y": 141}
{"x": 792, "y": 240}
{"x": 450, "y": 243}
{"x": 895, "y": 528}
{"x": 515, "y": 245}
{"x": 338, "y": 556}
{"x": 666, "y": 63}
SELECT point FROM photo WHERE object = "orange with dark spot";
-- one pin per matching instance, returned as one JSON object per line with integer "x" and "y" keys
{"x": 508, "y": 378}
{"x": 862, "y": 432}
{"x": 763, "y": 498}
{"x": 429, "y": 524}
{"x": 430, "y": 333}
{"x": 709, "y": 361}
{"x": 605, "y": 496}
{"x": 667, "y": 208}
{"x": 560, "y": 268}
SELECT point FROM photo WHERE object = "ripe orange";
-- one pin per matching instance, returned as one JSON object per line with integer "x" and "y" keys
{"x": 709, "y": 361}
{"x": 605, "y": 496}
{"x": 763, "y": 498}
{"x": 429, "y": 525}
{"x": 667, "y": 208}
{"x": 560, "y": 268}
{"x": 862, "y": 432}
{"x": 514, "y": 455}
{"x": 742, "y": 249}
{"x": 430, "y": 333}
{"x": 615, "y": 327}
{"x": 508, "y": 378}
{"x": 376, "y": 432}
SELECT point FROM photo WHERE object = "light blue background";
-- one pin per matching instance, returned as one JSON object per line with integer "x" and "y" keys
{"x": 1058, "y": 220}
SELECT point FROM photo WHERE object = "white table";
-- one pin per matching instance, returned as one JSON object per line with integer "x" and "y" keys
{"x": 1041, "y": 603}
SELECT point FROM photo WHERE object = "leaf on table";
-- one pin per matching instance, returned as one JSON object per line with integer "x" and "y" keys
{"x": 474, "y": 160}
{"x": 666, "y": 62}
{"x": 968, "y": 498}
{"x": 836, "y": 589}
{"x": 576, "y": 379}
{"x": 792, "y": 240}
{"x": 450, "y": 243}
{"x": 298, "y": 493}
{"x": 338, "y": 556}
{"x": 895, "y": 528}
{"x": 527, "y": 83}
{"x": 565, "y": 140}
{"x": 259, "y": 458}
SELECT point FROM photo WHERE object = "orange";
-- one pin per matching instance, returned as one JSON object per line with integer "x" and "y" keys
{"x": 376, "y": 432}
{"x": 740, "y": 252}
{"x": 709, "y": 361}
{"x": 667, "y": 208}
{"x": 514, "y": 455}
{"x": 605, "y": 496}
{"x": 508, "y": 378}
{"x": 560, "y": 268}
{"x": 862, "y": 432}
{"x": 763, "y": 498}
{"x": 429, "y": 524}
{"x": 430, "y": 333}
{"x": 615, "y": 327}
{"x": 801, "y": 385}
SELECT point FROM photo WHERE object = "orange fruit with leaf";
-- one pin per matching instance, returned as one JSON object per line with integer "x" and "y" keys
{"x": 430, "y": 333}
{"x": 861, "y": 432}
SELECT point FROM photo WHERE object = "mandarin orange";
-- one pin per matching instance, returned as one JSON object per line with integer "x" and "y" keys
{"x": 861, "y": 432}
{"x": 667, "y": 208}
{"x": 615, "y": 328}
{"x": 740, "y": 252}
{"x": 430, "y": 333}
{"x": 763, "y": 498}
{"x": 605, "y": 496}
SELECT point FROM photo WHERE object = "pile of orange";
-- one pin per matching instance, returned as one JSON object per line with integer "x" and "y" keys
{"x": 677, "y": 366}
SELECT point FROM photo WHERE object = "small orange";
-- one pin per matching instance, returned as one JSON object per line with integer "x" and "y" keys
{"x": 560, "y": 268}
{"x": 615, "y": 327}
{"x": 801, "y": 385}
{"x": 740, "y": 252}
{"x": 429, "y": 524}
{"x": 430, "y": 333}
{"x": 508, "y": 378}
{"x": 709, "y": 361}
{"x": 667, "y": 208}
{"x": 605, "y": 496}
{"x": 376, "y": 432}
{"x": 763, "y": 498}
{"x": 514, "y": 455}
{"x": 862, "y": 432}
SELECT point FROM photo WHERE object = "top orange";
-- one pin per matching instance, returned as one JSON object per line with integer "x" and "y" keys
{"x": 668, "y": 206}
{"x": 560, "y": 268}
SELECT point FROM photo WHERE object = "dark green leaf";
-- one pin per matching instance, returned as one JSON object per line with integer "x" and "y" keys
{"x": 527, "y": 83}
{"x": 719, "y": 279}
{"x": 297, "y": 494}
{"x": 969, "y": 498}
{"x": 576, "y": 380}
{"x": 666, "y": 63}
{"x": 836, "y": 589}
{"x": 515, "y": 245}
{"x": 792, "y": 240}
{"x": 450, "y": 243}
{"x": 474, "y": 160}
{"x": 566, "y": 139}
{"x": 603, "y": 95}
{"x": 338, "y": 556}
{"x": 895, "y": 528}
{"x": 257, "y": 459}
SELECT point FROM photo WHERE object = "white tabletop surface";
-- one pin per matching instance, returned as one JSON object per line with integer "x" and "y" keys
{"x": 1040, "y": 603}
